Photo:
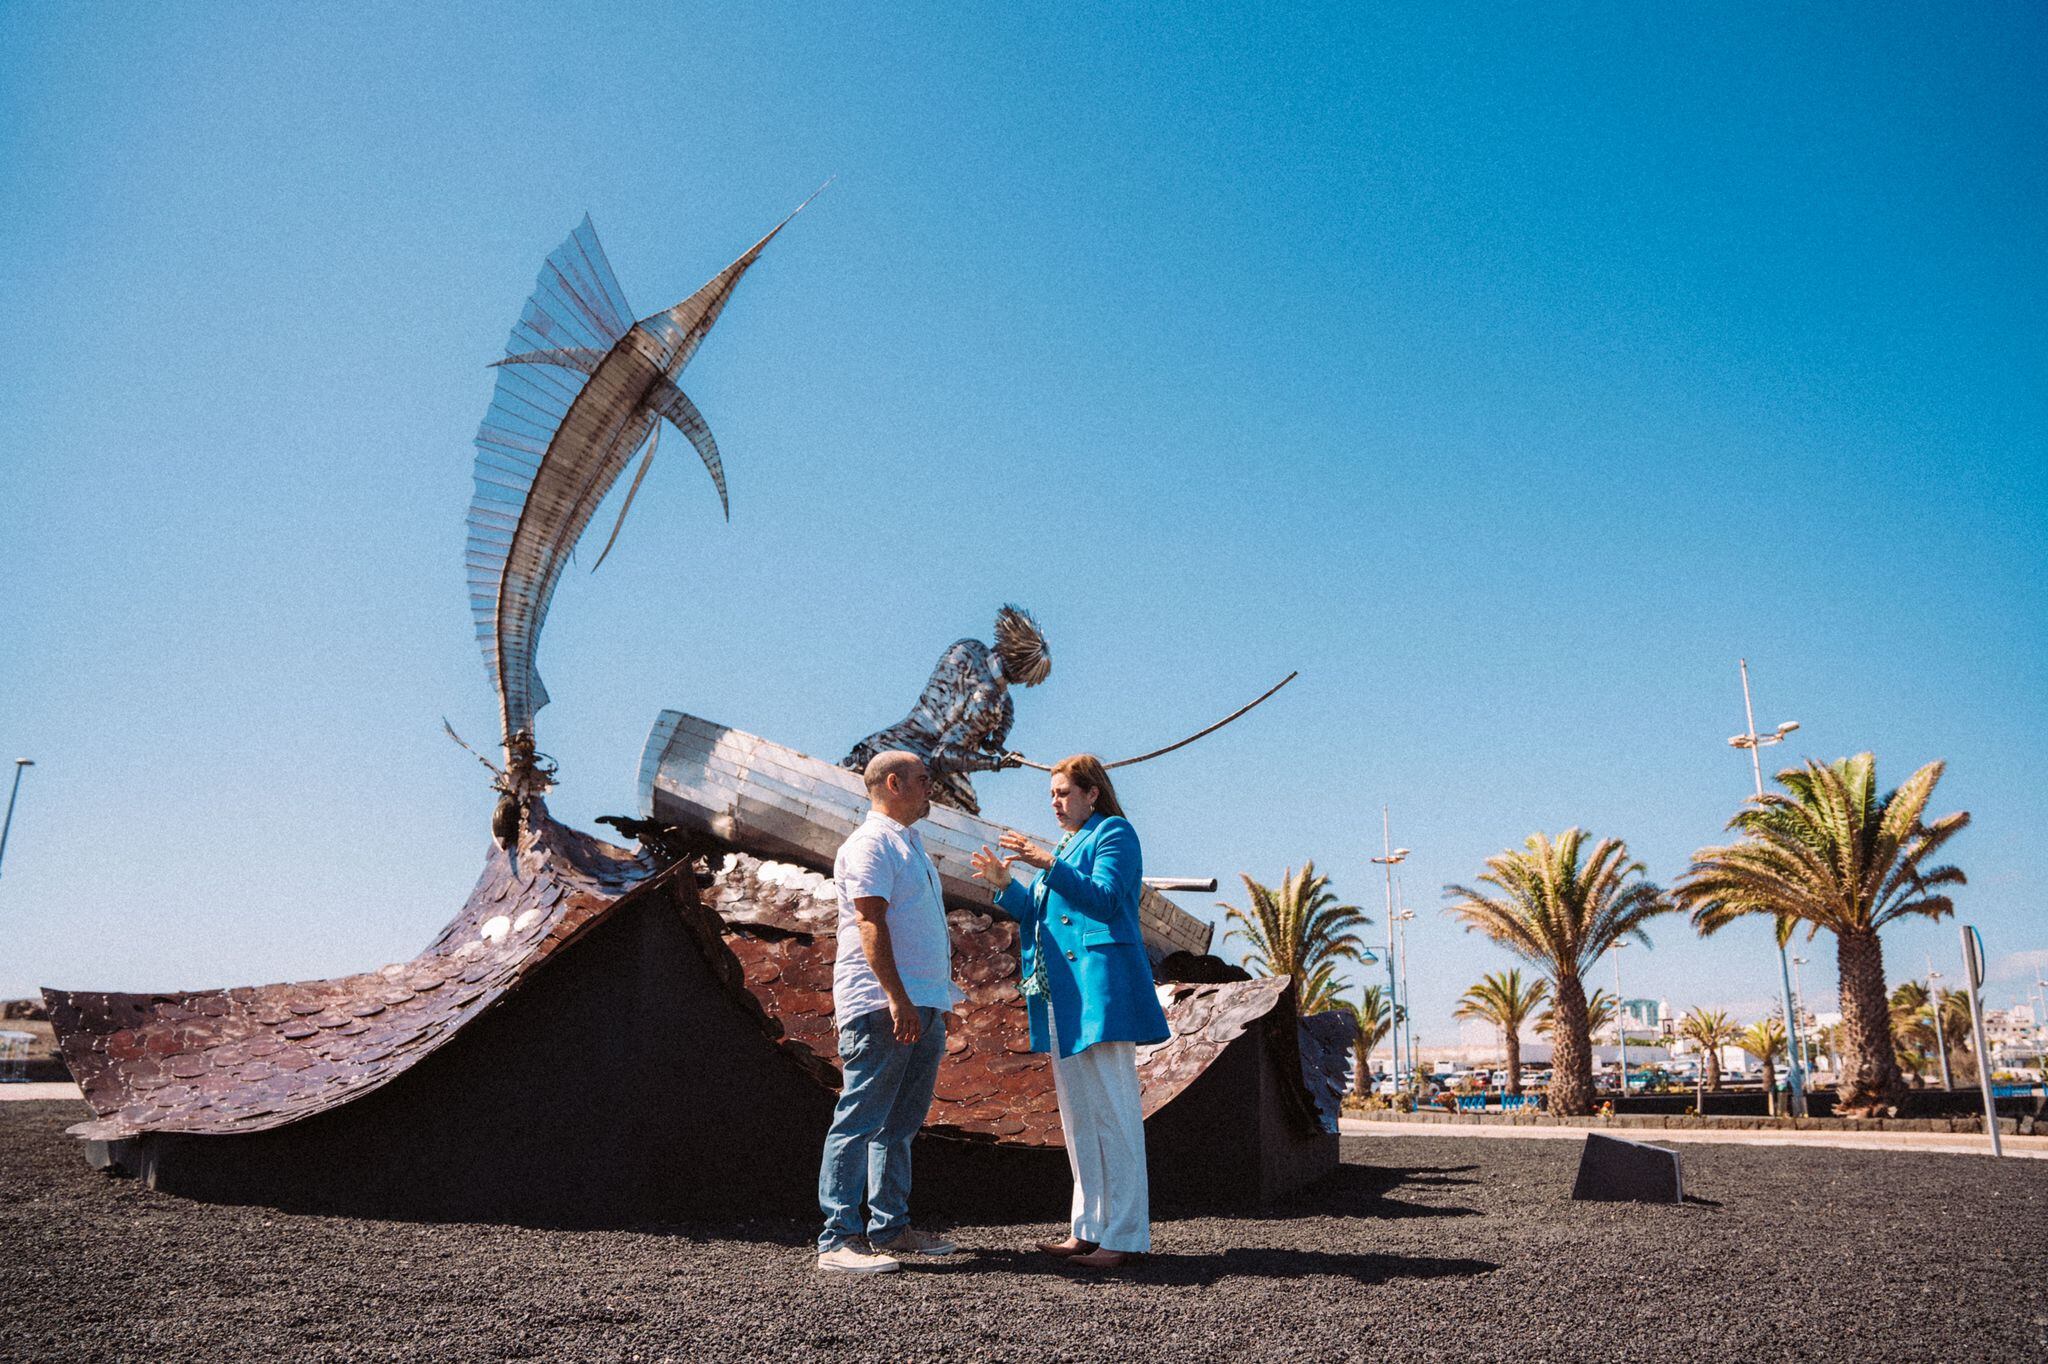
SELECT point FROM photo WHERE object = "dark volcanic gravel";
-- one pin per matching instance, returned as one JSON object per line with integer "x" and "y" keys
{"x": 1419, "y": 1248}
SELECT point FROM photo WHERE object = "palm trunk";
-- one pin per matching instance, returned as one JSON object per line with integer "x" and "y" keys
{"x": 1770, "y": 1087}
{"x": 1514, "y": 1061}
{"x": 1571, "y": 1056}
{"x": 1713, "y": 1062}
{"x": 1361, "y": 1070}
{"x": 1870, "y": 1080}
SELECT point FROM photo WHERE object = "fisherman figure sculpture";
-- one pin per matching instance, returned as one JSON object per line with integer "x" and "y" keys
{"x": 962, "y": 722}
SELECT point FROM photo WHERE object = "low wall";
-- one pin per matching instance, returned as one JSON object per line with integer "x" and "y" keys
{"x": 2020, "y": 1125}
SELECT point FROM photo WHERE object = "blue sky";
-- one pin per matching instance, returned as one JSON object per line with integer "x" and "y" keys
{"x": 1510, "y": 375}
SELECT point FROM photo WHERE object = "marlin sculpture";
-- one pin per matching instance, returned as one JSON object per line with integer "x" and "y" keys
{"x": 581, "y": 388}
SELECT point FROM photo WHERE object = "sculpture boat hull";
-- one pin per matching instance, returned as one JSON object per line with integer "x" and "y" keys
{"x": 751, "y": 792}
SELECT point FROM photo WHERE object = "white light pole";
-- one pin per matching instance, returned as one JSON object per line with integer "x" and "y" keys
{"x": 1753, "y": 741}
{"x": 1797, "y": 1041}
{"x": 1367, "y": 958}
{"x": 1393, "y": 855}
{"x": 1402, "y": 919}
{"x": 2040, "y": 1020}
{"x": 1621, "y": 1017}
{"x": 19, "y": 765}
{"x": 1934, "y": 1007}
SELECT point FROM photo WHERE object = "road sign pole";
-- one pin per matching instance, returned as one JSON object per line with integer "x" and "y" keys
{"x": 1973, "y": 966}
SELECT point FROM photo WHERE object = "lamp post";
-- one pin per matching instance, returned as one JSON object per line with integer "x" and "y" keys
{"x": 1393, "y": 856}
{"x": 2040, "y": 1020}
{"x": 1753, "y": 741}
{"x": 1367, "y": 958}
{"x": 1621, "y": 1017}
{"x": 1797, "y": 1038}
{"x": 1934, "y": 1007}
{"x": 1402, "y": 919}
{"x": 19, "y": 765}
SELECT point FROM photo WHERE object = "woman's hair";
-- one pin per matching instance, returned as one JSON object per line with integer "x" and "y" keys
{"x": 1085, "y": 769}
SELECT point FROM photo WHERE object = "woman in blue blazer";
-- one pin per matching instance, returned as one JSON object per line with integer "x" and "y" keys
{"x": 1088, "y": 987}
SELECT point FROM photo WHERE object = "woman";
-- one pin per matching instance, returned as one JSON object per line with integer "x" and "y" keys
{"x": 1088, "y": 988}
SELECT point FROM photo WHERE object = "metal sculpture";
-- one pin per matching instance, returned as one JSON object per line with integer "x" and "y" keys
{"x": 582, "y": 387}
{"x": 961, "y": 724}
{"x": 550, "y": 1055}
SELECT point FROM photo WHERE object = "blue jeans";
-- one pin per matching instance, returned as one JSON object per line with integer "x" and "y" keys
{"x": 886, "y": 1093}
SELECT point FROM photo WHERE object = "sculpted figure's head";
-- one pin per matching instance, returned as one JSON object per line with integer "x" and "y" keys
{"x": 1020, "y": 644}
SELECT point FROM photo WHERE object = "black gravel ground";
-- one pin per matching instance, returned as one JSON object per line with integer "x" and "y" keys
{"x": 1419, "y": 1248}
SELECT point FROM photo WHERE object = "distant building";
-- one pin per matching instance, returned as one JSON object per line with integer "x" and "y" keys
{"x": 1647, "y": 1020}
{"x": 2013, "y": 1032}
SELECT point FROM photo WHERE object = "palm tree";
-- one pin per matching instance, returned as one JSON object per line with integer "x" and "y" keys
{"x": 1322, "y": 992}
{"x": 1298, "y": 929}
{"x": 1600, "y": 1012}
{"x": 1918, "y": 1043}
{"x": 1765, "y": 1040}
{"x": 1562, "y": 913}
{"x": 1712, "y": 1030}
{"x": 1955, "y": 1032}
{"x": 1913, "y": 1040}
{"x": 1373, "y": 1018}
{"x": 1834, "y": 854}
{"x": 1504, "y": 1000}
{"x": 1828, "y": 1042}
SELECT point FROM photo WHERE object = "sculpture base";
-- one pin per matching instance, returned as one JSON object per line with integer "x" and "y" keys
{"x": 627, "y": 1081}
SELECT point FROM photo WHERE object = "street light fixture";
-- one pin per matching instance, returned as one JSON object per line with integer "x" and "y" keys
{"x": 1393, "y": 857}
{"x": 1751, "y": 740}
{"x": 19, "y": 765}
{"x": 1934, "y": 1007}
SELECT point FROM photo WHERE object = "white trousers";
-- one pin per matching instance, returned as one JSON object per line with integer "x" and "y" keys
{"x": 1102, "y": 1114}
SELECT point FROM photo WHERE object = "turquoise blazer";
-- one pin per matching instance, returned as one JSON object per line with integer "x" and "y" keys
{"x": 1086, "y": 907}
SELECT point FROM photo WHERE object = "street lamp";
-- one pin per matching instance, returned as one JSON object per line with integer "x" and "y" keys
{"x": 1934, "y": 1007}
{"x": 1621, "y": 1017}
{"x": 19, "y": 765}
{"x": 1366, "y": 957}
{"x": 2040, "y": 1022}
{"x": 1797, "y": 1039}
{"x": 1393, "y": 856}
{"x": 1402, "y": 919}
{"x": 1753, "y": 741}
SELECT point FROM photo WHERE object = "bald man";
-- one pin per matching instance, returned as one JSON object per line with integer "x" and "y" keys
{"x": 892, "y": 988}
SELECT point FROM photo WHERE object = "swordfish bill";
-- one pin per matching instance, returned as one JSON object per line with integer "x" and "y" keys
{"x": 580, "y": 389}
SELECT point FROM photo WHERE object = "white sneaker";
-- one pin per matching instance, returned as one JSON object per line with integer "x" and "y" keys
{"x": 911, "y": 1241}
{"x": 848, "y": 1260}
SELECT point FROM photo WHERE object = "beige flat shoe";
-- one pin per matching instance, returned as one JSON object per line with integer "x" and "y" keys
{"x": 1073, "y": 1245}
{"x": 1105, "y": 1259}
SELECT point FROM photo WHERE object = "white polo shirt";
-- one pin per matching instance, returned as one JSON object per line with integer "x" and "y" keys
{"x": 883, "y": 858}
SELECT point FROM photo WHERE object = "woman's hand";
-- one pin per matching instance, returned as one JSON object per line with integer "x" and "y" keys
{"x": 1023, "y": 849}
{"x": 990, "y": 868}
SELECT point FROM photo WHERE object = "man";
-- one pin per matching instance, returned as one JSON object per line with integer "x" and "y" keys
{"x": 961, "y": 724}
{"x": 892, "y": 992}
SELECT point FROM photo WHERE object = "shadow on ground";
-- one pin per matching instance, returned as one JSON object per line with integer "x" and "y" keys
{"x": 1241, "y": 1262}
{"x": 1353, "y": 1191}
